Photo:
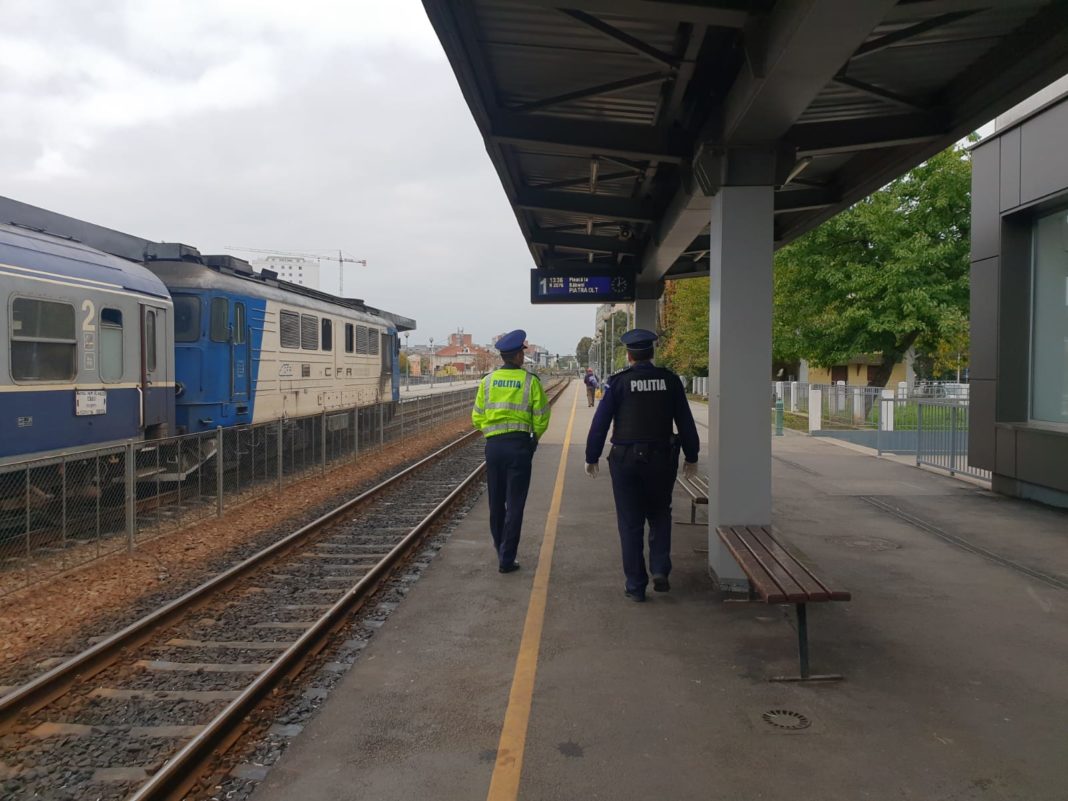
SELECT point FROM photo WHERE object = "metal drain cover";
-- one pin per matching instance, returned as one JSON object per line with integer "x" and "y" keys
{"x": 786, "y": 719}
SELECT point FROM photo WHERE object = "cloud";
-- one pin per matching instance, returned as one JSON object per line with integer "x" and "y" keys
{"x": 298, "y": 126}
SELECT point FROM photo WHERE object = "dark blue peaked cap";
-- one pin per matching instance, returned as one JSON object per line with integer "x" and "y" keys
{"x": 638, "y": 339}
{"x": 512, "y": 341}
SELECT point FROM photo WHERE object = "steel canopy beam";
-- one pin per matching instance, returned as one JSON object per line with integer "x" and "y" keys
{"x": 881, "y": 94}
{"x": 891, "y": 39}
{"x": 594, "y": 91}
{"x": 613, "y": 208}
{"x": 1025, "y": 61}
{"x": 597, "y": 244}
{"x": 557, "y": 135}
{"x": 802, "y": 45}
{"x": 624, "y": 38}
{"x": 603, "y": 178}
{"x": 849, "y": 136}
{"x": 804, "y": 200}
{"x": 723, "y": 13}
{"x": 807, "y": 44}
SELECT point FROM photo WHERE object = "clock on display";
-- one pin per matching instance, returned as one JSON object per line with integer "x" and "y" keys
{"x": 619, "y": 284}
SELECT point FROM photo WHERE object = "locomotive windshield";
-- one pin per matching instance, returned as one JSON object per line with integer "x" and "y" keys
{"x": 186, "y": 318}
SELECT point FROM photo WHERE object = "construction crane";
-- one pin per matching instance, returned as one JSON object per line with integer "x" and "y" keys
{"x": 342, "y": 260}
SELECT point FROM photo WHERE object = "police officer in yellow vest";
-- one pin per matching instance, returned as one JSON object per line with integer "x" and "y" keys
{"x": 512, "y": 411}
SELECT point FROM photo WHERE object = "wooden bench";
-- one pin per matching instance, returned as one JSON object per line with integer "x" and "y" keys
{"x": 776, "y": 576}
{"x": 697, "y": 489}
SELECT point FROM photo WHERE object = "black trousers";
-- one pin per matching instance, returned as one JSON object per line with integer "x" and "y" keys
{"x": 643, "y": 479}
{"x": 508, "y": 464}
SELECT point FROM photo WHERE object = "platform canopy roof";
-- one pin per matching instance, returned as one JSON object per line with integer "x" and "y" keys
{"x": 611, "y": 122}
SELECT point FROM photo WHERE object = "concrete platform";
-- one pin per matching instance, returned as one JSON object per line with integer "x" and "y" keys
{"x": 955, "y": 652}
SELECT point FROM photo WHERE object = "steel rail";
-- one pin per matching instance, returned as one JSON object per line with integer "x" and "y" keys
{"x": 50, "y": 685}
{"x": 182, "y": 771}
{"x": 179, "y": 774}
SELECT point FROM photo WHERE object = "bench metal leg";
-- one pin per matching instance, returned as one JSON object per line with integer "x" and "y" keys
{"x": 802, "y": 653}
{"x": 693, "y": 511}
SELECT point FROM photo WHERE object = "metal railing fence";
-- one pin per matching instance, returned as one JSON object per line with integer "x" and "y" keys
{"x": 934, "y": 429}
{"x": 942, "y": 441}
{"x": 60, "y": 512}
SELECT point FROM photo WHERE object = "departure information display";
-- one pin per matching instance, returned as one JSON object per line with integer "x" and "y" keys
{"x": 572, "y": 286}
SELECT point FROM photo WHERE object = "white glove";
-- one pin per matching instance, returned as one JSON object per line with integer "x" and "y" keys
{"x": 689, "y": 470}
{"x": 592, "y": 470}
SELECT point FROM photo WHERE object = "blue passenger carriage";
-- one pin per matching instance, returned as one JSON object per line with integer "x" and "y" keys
{"x": 88, "y": 358}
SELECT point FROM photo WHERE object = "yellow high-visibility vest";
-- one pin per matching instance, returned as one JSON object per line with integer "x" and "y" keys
{"x": 510, "y": 399}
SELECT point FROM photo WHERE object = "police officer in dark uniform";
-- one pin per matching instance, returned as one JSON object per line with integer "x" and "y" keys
{"x": 643, "y": 401}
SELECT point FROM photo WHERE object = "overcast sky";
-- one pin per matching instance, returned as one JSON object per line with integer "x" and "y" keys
{"x": 296, "y": 126}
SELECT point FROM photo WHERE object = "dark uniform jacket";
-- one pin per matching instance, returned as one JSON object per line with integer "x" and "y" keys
{"x": 645, "y": 403}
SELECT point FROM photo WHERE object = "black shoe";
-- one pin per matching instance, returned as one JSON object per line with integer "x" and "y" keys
{"x": 637, "y": 597}
{"x": 661, "y": 584}
{"x": 508, "y": 568}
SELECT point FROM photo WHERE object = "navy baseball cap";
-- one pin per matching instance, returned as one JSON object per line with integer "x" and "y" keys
{"x": 512, "y": 341}
{"x": 639, "y": 339}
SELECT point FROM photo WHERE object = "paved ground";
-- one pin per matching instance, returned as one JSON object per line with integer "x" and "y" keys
{"x": 955, "y": 649}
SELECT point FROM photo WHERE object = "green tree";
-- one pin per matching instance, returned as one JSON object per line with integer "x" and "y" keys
{"x": 888, "y": 274}
{"x": 582, "y": 351}
{"x": 684, "y": 327}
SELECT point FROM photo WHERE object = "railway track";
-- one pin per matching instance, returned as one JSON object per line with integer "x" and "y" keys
{"x": 143, "y": 713}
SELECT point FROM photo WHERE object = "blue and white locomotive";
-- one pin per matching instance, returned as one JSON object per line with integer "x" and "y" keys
{"x": 112, "y": 338}
{"x": 250, "y": 348}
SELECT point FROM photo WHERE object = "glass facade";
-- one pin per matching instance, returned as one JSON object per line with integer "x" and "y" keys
{"x": 1049, "y": 345}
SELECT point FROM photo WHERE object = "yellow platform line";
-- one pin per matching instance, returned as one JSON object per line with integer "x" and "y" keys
{"x": 504, "y": 786}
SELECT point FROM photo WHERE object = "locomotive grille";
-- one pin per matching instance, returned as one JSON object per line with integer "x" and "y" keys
{"x": 290, "y": 329}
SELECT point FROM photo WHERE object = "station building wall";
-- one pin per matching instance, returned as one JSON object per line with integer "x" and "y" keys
{"x": 1019, "y": 307}
{"x": 857, "y": 375}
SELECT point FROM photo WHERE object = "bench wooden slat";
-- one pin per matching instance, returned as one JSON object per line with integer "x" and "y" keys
{"x": 762, "y": 581}
{"x": 782, "y": 583}
{"x": 775, "y": 574}
{"x": 778, "y": 563}
{"x": 810, "y": 588}
{"x": 800, "y": 572}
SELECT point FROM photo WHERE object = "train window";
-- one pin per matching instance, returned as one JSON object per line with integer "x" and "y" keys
{"x": 110, "y": 345}
{"x": 350, "y": 338}
{"x": 290, "y": 329}
{"x": 220, "y": 320}
{"x": 150, "y": 341}
{"x": 43, "y": 346}
{"x": 239, "y": 323}
{"x": 361, "y": 339}
{"x": 309, "y": 332}
{"x": 328, "y": 334}
{"x": 186, "y": 318}
{"x": 372, "y": 341}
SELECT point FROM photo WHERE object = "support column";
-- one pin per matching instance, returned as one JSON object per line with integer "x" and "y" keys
{"x": 739, "y": 368}
{"x": 645, "y": 306}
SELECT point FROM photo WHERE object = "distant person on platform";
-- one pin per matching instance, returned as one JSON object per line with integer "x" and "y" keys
{"x": 512, "y": 412}
{"x": 590, "y": 380}
{"x": 642, "y": 402}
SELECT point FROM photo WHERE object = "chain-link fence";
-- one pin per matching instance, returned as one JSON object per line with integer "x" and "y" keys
{"x": 61, "y": 512}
